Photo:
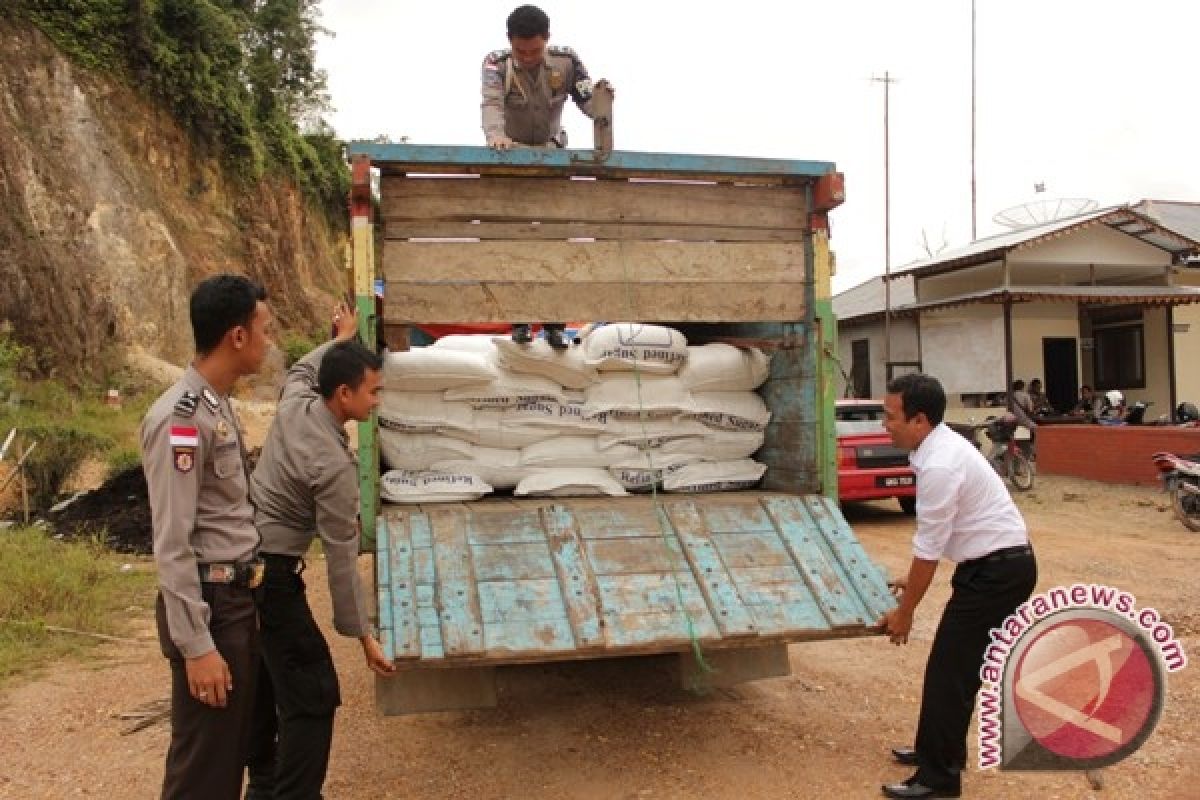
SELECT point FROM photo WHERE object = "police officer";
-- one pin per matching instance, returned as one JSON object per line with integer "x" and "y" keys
{"x": 306, "y": 485}
{"x": 204, "y": 543}
{"x": 524, "y": 91}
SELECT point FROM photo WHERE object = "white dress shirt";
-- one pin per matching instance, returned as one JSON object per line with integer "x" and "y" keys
{"x": 964, "y": 510}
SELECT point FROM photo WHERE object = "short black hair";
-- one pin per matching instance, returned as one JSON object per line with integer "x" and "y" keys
{"x": 920, "y": 393}
{"x": 528, "y": 21}
{"x": 345, "y": 364}
{"x": 1018, "y": 385}
{"x": 218, "y": 305}
{"x": 1085, "y": 386}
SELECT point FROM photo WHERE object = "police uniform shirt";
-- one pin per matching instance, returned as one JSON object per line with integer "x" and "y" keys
{"x": 526, "y": 104}
{"x": 199, "y": 504}
{"x": 306, "y": 484}
{"x": 963, "y": 509}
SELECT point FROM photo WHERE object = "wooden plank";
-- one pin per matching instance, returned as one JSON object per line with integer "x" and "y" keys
{"x": 561, "y": 262}
{"x": 576, "y": 580}
{"x": 658, "y": 632}
{"x": 383, "y": 584}
{"x": 506, "y": 524}
{"x": 510, "y": 562}
{"x": 631, "y": 556}
{"x": 402, "y": 229}
{"x": 719, "y": 590}
{"x": 521, "y": 600}
{"x": 864, "y": 576}
{"x": 406, "y": 638}
{"x": 429, "y": 629}
{"x": 535, "y": 199}
{"x": 529, "y": 639}
{"x": 826, "y": 579}
{"x": 800, "y": 618}
{"x": 652, "y": 593}
{"x": 422, "y": 158}
{"x": 756, "y": 549}
{"x": 613, "y": 520}
{"x": 457, "y": 596}
{"x": 723, "y": 515}
{"x": 415, "y": 302}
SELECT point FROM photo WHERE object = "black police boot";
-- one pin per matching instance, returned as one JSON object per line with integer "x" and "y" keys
{"x": 521, "y": 334}
{"x": 556, "y": 337}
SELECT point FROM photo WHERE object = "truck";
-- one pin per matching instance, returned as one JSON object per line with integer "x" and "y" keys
{"x": 725, "y": 249}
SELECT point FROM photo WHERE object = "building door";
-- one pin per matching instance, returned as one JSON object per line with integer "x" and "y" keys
{"x": 1060, "y": 357}
{"x": 860, "y": 367}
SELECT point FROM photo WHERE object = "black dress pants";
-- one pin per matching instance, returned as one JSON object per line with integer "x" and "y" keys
{"x": 302, "y": 679}
{"x": 985, "y": 592}
{"x": 207, "y": 752}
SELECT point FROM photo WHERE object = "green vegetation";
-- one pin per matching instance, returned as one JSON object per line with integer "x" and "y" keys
{"x": 70, "y": 425}
{"x": 239, "y": 75}
{"x": 77, "y": 586}
{"x": 296, "y": 346}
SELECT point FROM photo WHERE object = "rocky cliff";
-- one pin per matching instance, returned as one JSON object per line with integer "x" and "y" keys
{"x": 108, "y": 216}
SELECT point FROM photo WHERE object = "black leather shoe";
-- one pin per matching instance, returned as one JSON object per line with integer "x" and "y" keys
{"x": 910, "y": 789}
{"x": 556, "y": 338}
{"x": 905, "y": 755}
{"x": 521, "y": 334}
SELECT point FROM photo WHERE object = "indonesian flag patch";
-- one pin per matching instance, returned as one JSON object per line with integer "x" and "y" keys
{"x": 184, "y": 441}
{"x": 184, "y": 436}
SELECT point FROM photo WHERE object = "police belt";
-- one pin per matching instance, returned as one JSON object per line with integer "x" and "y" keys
{"x": 246, "y": 574}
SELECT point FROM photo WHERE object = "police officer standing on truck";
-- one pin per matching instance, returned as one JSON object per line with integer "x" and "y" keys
{"x": 524, "y": 90}
{"x": 306, "y": 485}
{"x": 204, "y": 541}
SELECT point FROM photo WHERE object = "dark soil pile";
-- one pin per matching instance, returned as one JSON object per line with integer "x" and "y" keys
{"x": 118, "y": 511}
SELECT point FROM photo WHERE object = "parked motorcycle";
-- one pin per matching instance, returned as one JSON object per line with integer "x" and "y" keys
{"x": 1007, "y": 456}
{"x": 1181, "y": 478}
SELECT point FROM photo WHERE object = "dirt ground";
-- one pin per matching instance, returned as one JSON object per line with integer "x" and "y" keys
{"x": 623, "y": 729}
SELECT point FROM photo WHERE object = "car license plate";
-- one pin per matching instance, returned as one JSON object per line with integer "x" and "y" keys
{"x": 894, "y": 481}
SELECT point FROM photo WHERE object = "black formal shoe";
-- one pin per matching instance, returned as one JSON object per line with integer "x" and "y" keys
{"x": 910, "y": 788}
{"x": 556, "y": 339}
{"x": 521, "y": 334}
{"x": 906, "y": 756}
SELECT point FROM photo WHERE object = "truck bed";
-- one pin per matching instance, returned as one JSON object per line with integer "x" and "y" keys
{"x": 508, "y": 581}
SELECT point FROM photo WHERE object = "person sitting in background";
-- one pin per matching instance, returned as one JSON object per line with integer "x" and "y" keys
{"x": 1089, "y": 403}
{"x": 1038, "y": 401}
{"x": 1112, "y": 412}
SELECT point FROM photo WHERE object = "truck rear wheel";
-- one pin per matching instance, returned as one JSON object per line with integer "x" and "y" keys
{"x": 908, "y": 505}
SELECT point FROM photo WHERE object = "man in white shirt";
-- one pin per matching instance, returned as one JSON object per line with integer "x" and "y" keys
{"x": 964, "y": 515}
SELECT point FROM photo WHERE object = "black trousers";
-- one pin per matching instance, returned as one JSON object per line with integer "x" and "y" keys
{"x": 208, "y": 746}
{"x": 984, "y": 593}
{"x": 301, "y": 680}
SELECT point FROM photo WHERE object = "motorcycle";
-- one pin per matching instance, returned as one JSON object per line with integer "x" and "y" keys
{"x": 1008, "y": 457}
{"x": 1181, "y": 478}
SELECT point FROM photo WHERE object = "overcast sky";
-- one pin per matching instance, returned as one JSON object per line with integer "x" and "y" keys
{"x": 1094, "y": 98}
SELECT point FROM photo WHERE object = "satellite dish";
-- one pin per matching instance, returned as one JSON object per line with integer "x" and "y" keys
{"x": 1041, "y": 211}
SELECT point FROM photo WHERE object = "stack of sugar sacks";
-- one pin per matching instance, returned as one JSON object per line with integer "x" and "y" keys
{"x": 631, "y": 408}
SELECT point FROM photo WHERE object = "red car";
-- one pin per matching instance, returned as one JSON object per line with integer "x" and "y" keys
{"x": 869, "y": 465}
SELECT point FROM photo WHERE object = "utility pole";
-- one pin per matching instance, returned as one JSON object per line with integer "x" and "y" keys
{"x": 974, "y": 212}
{"x": 887, "y": 80}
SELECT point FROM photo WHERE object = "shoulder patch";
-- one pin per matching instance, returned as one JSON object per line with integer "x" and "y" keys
{"x": 210, "y": 399}
{"x": 185, "y": 406}
{"x": 496, "y": 56}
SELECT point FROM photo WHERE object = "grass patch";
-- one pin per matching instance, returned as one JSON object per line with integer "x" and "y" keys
{"x": 71, "y": 426}
{"x": 76, "y": 585}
